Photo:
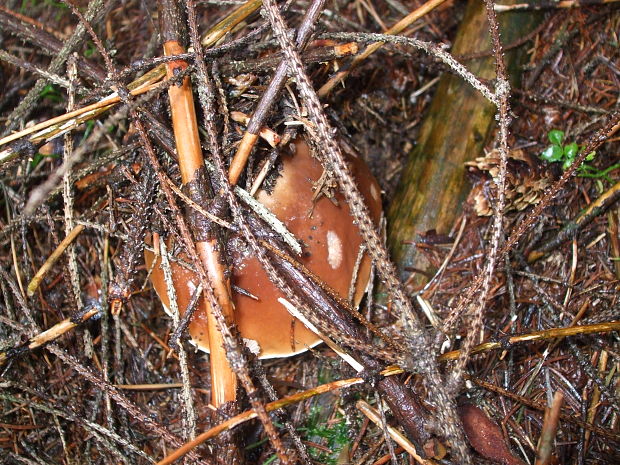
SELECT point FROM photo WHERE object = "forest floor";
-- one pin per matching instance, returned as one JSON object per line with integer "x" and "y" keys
{"x": 539, "y": 279}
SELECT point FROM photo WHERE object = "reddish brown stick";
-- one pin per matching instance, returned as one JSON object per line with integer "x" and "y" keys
{"x": 545, "y": 447}
{"x": 185, "y": 127}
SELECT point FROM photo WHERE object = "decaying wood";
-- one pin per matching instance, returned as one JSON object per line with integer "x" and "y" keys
{"x": 459, "y": 122}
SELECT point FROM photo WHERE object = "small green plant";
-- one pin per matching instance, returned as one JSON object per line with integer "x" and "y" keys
{"x": 558, "y": 152}
{"x": 39, "y": 157}
{"x": 91, "y": 49}
{"x": 51, "y": 93}
{"x": 334, "y": 435}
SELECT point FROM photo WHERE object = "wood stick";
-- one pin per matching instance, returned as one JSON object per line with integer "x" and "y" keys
{"x": 433, "y": 183}
{"x": 270, "y": 407}
{"x": 38, "y": 277}
{"x": 101, "y": 105}
{"x": 268, "y": 134}
{"x": 389, "y": 371}
{"x": 546, "y": 334}
{"x": 140, "y": 86}
{"x": 549, "y": 429}
{"x": 48, "y": 335}
{"x": 374, "y": 416}
{"x": 585, "y": 217}
{"x": 551, "y": 5}
{"x": 229, "y": 22}
{"x": 191, "y": 162}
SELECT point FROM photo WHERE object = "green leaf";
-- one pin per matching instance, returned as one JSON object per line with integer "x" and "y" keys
{"x": 51, "y": 93}
{"x": 570, "y": 151}
{"x": 587, "y": 169}
{"x": 90, "y": 125}
{"x": 556, "y": 136}
{"x": 36, "y": 159}
{"x": 39, "y": 157}
{"x": 552, "y": 153}
{"x": 567, "y": 162}
{"x": 590, "y": 156}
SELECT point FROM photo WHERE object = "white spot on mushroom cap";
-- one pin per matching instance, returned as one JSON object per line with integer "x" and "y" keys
{"x": 334, "y": 250}
{"x": 373, "y": 191}
{"x": 191, "y": 286}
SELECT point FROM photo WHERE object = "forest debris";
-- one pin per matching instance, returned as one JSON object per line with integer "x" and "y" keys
{"x": 485, "y": 436}
{"x": 433, "y": 184}
{"x": 374, "y": 415}
{"x": 549, "y": 429}
{"x": 526, "y": 181}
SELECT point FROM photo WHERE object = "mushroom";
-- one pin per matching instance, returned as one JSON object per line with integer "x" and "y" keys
{"x": 331, "y": 247}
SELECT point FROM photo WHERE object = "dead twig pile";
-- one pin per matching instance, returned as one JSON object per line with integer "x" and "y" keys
{"x": 148, "y": 132}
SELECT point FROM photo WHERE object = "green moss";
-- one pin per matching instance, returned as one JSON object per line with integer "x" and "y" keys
{"x": 334, "y": 435}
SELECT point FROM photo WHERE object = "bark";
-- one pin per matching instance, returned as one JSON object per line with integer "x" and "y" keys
{"x": 459, "y": 122}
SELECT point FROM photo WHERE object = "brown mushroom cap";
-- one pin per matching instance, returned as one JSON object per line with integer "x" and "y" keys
{"x": 331, "y": 246}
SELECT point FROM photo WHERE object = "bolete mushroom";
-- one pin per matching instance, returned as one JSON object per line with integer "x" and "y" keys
{"x": 331, "y": 244}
